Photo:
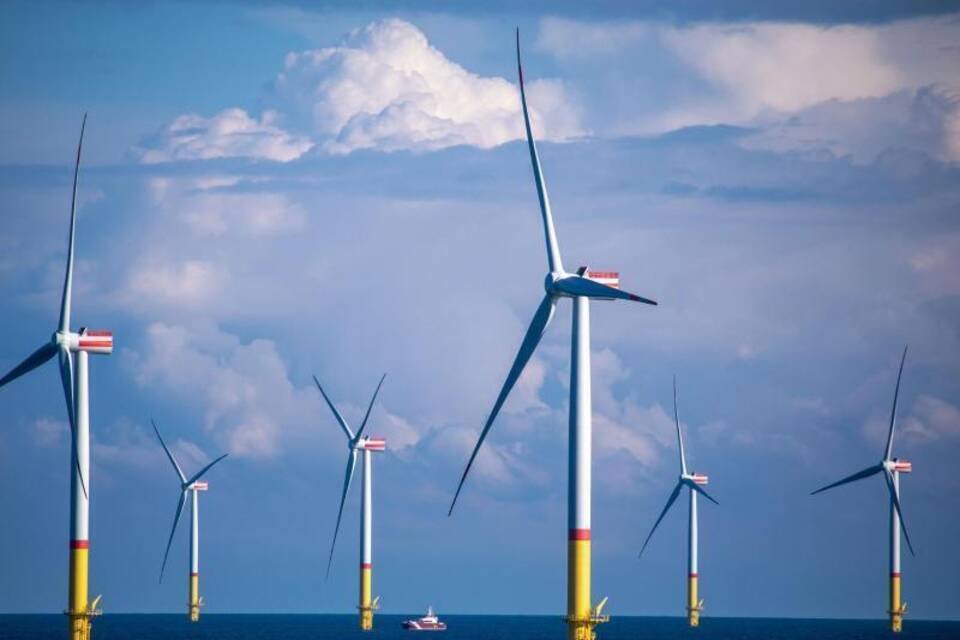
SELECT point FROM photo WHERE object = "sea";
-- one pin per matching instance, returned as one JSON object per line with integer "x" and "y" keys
{"x": 462, "y": 627}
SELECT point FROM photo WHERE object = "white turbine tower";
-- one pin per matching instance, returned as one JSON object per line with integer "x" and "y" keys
{"x": 367, "y": 446}
{"x": 581, "y": 287}
{"x": 192, "y": 486}
{"x": 76, "y": 390}
{"x": 693, "y": 482}
{"x": 890, "y": 468}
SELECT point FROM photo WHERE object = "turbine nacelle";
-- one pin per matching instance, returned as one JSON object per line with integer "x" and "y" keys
{"x": 898, "y": 465}
{"x": 197, "y": 486}
{"x": 89, "y": 340}
{"x": 370, "y": 444}
{"x": 695, "y": 478}
{"x": 598, "y": 285}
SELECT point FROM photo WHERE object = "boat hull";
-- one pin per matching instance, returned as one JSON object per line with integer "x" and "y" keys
{"x": 414, "y": 625}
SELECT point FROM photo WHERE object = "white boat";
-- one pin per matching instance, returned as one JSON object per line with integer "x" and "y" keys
{"x": 429, "y": 622}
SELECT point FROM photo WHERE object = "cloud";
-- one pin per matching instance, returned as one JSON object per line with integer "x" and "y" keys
{"x": 387, "y": 88}
{"x": 931, "y": 420}
{"x": 936, "y": 263}
{"x": 189, "y": 282}
{"x": 127, "y": 443}
{"x": 399, "y": 433}
{"x": 232, "y": 133}
{"x": 622, "y": 426}
{"x": 215, "y": 214}
{"x": 765, "y": 73}
{"x": 785, "y": 67}
{"x": 242, "y": 389}
{"x": 925, "y": 120}
{"x": 47, "y": 432}
{"x": 502, "y": 467}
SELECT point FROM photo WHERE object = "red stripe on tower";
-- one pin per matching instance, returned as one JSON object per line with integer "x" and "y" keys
{"x": 366, "y": 565}
{"x": 79, "y": 544}
{"x": 579, "y": 534}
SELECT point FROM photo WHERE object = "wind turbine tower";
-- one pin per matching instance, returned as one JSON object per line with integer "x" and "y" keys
{"x": 191, "y": 487}
{"x": 366, "y": 446}
{"x": 74, "y": 377}
{"x": 581, "y": 287}
{"x": 695, "y": 483}
{"x": 890, "y": 468}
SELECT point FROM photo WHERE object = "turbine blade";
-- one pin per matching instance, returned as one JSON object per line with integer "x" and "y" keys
{"x": 859, "y": 475}
{"x": 670, "y": 501}
{"x": 895, "y": 498}
{"x": 888, "y": 452}
{"x": 66, "y": 379}
{"x": 676, "y": 419}
{"x": 30, "y": 363}
{"x": 530, "y": 341}
{"x": 693, "y": 485}
{"x": 553, "y": 251}
{"x": 348, "y": 476}
{"x": 68, "y": 278}
{"x": 581, "y": 286}
{"x": 370, "y": 406}
{"x": 340, "y": 420}
{"x": 176, "y": 520}
{"x": 200, "y": 473}
{"x": 173, "y": 460}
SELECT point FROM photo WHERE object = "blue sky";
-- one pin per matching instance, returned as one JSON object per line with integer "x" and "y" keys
{"x": 273, "y": 191}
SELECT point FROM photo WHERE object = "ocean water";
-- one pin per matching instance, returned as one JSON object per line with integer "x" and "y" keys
{"x": 461, "y": 627}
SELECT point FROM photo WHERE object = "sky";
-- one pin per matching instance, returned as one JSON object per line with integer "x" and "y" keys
{"x": 274, "y": 191}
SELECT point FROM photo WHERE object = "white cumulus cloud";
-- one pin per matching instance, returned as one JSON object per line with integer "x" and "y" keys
{"x": 387, "y": 88}
{"x": 232, "y": 133}
{"x": 242, "y": 388}
{"x": 186, "y": 282}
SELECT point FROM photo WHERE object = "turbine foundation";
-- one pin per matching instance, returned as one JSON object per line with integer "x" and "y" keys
{"x": 694, "y": 606}
{"x": 366, "y": 606}
{"x": 897, "y": 608}
{"x": 193, "y": 602}
{"x": 79, "y": 612}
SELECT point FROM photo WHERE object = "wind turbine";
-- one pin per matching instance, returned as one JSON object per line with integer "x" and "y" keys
{"x": 366, "y": 445}
{"x": 582, "y": 286}
{"x": 193, "y": 486}
{"x": 891, "y": 468}
{"x": 74, "y": 377}
{"x": 693, "y": 482}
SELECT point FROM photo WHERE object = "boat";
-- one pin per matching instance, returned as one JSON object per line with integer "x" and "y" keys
{"x": 429, "y": 622}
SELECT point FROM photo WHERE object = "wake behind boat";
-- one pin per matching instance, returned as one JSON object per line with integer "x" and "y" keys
{"x": 429, "y": 622}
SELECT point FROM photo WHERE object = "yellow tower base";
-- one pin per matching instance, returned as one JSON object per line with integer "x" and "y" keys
{"x": 897, "y": 609}
{"x": 193, "y": 599}
{"x": 366, "y": 604}
{"x": 694, "y": 605}
{"x": 582, "y": 617}
{"x": 79, "y": 611}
